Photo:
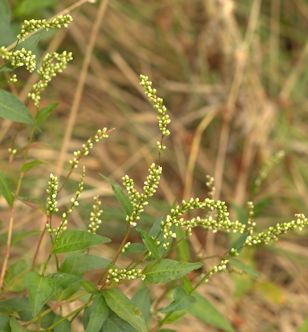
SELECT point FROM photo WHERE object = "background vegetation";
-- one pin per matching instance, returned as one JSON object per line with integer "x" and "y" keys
{"x": 234, "y": 77}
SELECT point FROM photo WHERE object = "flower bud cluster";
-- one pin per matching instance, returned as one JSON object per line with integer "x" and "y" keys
{"x": 31, "y": 26}
{"x": 65, "y": 215}
{"x": 52, "y": 64}
{"x": 129, "y": 185}
{"x": 52, "y": 191}
{"x": 273, "y": 232}
{"x": 210, "y": 185}
{"x": 13, "y": 79}
{"x": 115, "y": 275}
{"x": 158, "y": 104}
{"x": 12, "y": 151}
{"x": 250, "y": 226}
{"x": 139, "y": 201}
{"x": 221, "y": 222}
{"x": 95, "y": 216}
{"x": 19, "y": 58}
{"x": 269, "y": 165}
{"x": 125, "y": 247}
{"x": 220, "y": 267}
{"x": 88, "y": 146}
{"x": 211, "y": 224}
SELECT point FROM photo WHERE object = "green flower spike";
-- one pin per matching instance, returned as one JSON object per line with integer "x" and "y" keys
{"x": 30, "y": 27}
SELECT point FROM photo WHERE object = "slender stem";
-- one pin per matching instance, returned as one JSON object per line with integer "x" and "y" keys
{"x": 10, "y": 231}
{"x": 38, "y": 248}
{"x": 103, "y": 278}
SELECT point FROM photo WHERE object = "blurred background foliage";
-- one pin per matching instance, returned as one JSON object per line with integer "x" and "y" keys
{"x": 234, "y": 76}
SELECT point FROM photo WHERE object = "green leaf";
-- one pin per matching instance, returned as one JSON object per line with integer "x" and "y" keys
{"x": 79, "y": 263}
{"x": 65, "y": 285}
{"x": 14, "y": 278}
{"x": 244, "y": 267}
{"x": 28, "y": 7}
{"x": 5, "y": 68}
{"x": 4, "y": 323}
{"x": 30, "y": 164}
{"x": 135, "y": 248}
{"x": 6, "y": 32}
{"x": 122, "y": 198}
{"x": 149, "y": 243}
{"x": 167, "y": 270}
{"x": 142, "y": 299}
{"x": 64, "y": 326}
{"x": 89, "y": 286}
{"x": 303, "y": 327}
{"x": 181, "y": 301}
{"x": 115, "y": 324}
{"x": 206, "y": 312}
{"x": 11, "y": 108}
{"x": 182, "y": 245}
{"x": 238, "y": 244}
{"x": 17, "y": 305}
{"x": 40, "y": 290}
{"x": 97, "y": 314}
{"x": 15, "y": 326}
{"x": 173, "y": 317}
{"x": 75, "y": 240}
{"x": 5, "y": 190}
{"x": 44, "y": 113}
{"x": 125, "y": 309}
{"x": 119, "y": 194}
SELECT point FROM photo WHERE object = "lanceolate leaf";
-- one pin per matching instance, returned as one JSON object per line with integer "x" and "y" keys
{"x": 125, "y": 309}
{"x": 79, "y": 263}
{"x": 143, "y": 300}
{"x": 115, "y": 324}
{"x": 16, "y": 327}
{"x": 44, "y": 113}
{"x": 5, "y": 190}
{"x": 4, "y": 323}
{"x": 77, "y": 240}
{"x": 14, "y": 278}
{"x": 149, "y": 243}
{"x": 238, "y": 244}
{"x": 18, "y": 305}
{"x": 98, "y": 313}
{"x": 6, "y": 32}
{"x": 181, "y": 301}
{"x": 168, "y": 269}
{"x": 11, "y": 108}
{"x": 65, "y": 285}
{"x": 122, "y": 198}
{"x": 30, "y": 164}
{"x": 244, "y": 267}
{"x": 119, "y": 194}
{"x": 205, "y": 311}
{"x": 40, "y": 290}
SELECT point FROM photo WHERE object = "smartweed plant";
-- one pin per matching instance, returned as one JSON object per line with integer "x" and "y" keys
{"x": 50, "y": 295}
